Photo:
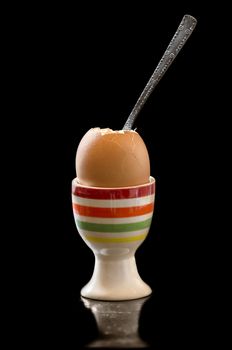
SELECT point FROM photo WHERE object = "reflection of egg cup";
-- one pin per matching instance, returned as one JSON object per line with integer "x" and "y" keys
{"x": 117, "y": 323}
{"x": 114, "y": 222}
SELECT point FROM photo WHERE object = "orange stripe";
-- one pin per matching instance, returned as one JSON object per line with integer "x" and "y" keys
{"x": 112, "y": 212}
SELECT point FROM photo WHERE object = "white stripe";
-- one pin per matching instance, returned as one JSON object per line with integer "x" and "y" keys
{"x": 115, "y": 203}
{"x": 113, "y": 220}
{"x": 113, "y": 234}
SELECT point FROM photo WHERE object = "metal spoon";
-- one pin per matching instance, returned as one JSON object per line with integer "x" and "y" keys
{"x": 182, "y": 34}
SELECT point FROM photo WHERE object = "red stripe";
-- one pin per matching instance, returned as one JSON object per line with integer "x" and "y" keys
{"x": 105, "y": 193}
{"x": 112, "y": 212}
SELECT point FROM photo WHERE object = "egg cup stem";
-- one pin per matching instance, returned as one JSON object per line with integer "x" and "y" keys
{"x": 115, "y": 279}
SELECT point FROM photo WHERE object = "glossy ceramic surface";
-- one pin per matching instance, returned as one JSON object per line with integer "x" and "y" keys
{"x": 114, "y": 222}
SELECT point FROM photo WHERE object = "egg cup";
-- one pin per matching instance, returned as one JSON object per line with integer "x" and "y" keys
{"x": 114, "y": 222}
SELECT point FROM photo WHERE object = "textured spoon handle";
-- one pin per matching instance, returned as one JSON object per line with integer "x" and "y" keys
{"x": 182, "y": 34}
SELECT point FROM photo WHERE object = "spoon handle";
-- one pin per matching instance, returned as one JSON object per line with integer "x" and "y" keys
{"x": 182, "y": 34}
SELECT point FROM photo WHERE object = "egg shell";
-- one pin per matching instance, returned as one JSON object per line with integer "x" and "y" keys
{"x": 107, "y": 158}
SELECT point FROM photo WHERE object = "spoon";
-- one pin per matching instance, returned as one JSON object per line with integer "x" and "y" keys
{"x": 182, "y": 34}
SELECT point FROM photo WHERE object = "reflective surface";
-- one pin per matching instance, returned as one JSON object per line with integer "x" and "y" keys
{"x": 117, "y": 322}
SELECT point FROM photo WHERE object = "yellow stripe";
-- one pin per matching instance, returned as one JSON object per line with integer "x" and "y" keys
{"x": 114, "y": 239}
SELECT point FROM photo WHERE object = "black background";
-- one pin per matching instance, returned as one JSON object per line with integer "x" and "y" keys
{"x": 85, "y": 67}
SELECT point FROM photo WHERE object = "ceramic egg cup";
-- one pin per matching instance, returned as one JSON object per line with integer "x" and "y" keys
{"x": 114, "y": 222}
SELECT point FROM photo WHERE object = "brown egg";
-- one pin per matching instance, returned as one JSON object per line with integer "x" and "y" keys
{"x": 107, "y": 158}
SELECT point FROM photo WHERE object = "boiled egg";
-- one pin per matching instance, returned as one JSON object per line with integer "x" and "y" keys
{"x": 108, "y": 158}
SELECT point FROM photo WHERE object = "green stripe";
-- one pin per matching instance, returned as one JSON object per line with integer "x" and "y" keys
{"x": 91, "y": 226}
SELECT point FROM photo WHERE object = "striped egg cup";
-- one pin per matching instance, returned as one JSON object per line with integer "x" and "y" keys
{"x": 114, "y": 222}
